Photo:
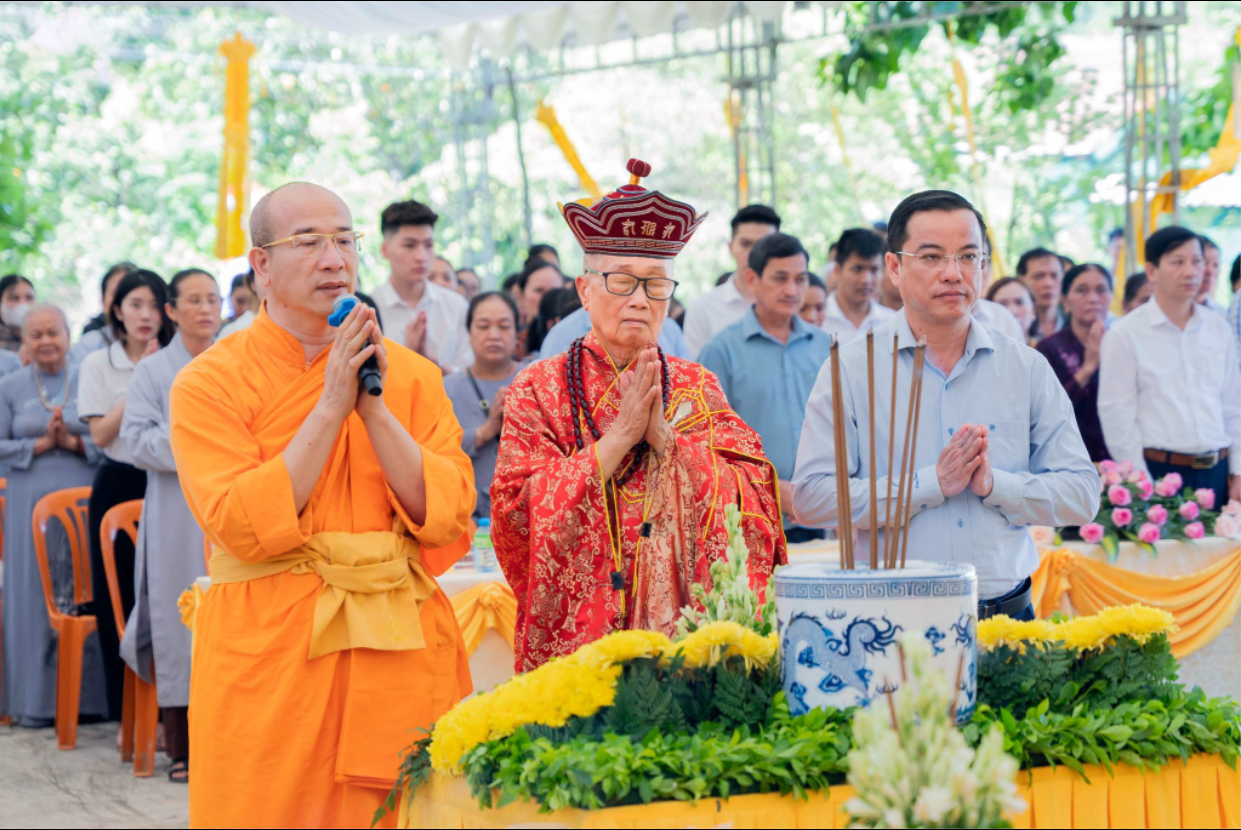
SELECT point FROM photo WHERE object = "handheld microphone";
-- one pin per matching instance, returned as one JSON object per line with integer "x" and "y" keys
{"x": 368, "y": 372}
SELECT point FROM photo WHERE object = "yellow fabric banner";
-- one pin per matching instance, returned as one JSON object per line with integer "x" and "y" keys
{"x": 483, "y": 607}
{"x": 1203, "y": 603}
{"x": 546, "y": 116}
{"x": 230, "y": 236}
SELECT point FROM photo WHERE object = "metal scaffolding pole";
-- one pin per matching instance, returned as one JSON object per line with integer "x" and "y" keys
{"x": 751, "y": 52}
{"x": 1152, "y": 125}
{"x": 473, "y": 120}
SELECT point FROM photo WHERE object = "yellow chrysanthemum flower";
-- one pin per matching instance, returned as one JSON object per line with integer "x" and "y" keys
{"x": 719, "y": 640}
{"x": 1004, "y": 630}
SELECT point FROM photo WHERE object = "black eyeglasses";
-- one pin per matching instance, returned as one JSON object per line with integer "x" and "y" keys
{"x": 623, "y": 285}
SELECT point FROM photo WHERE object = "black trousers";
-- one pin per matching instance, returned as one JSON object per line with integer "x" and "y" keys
{"x": 115, "y": 482}
{"x": 1215, "y": 478}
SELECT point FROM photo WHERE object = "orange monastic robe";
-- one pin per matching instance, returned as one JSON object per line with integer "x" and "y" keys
{"x": 278, "y": 739}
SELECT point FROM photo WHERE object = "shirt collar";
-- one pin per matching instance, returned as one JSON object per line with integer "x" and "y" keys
{"x": 119, "y": 357}
{"x": 751, "y": 327}
{"x": 978, "y": 339}
{"x": 388, "y": 295}
{"x": 835, "y": 312}
{"x": 1157, "y": 316}
{"x": 730, "y": 291}
{"x": 275, "y": 341}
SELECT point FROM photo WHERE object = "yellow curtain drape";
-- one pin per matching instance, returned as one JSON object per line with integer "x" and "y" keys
{"x": 1203, "y": 603}
{"x": 483, "y": 607}
{"x": 1221, "y": 159}
{"x": 230, "y": 236}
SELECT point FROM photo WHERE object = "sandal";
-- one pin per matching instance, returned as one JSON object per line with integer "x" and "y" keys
{"x": 179, "y": 773}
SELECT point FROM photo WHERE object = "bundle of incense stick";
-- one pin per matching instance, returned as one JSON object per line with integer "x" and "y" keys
{"x": 895, "y": 543}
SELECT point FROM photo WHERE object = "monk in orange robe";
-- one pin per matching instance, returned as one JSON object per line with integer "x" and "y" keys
{"x": 323, "y": 640}
{"x": 616, "y": 462}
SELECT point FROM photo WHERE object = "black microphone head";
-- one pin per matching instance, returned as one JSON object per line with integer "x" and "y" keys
{"x": 341, "y": 307}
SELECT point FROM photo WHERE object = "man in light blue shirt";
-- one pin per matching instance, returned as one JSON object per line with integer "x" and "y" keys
{"x": 767, "y": 361}
{"x": 562, "y": 335}
{"x": 998, "y": 448}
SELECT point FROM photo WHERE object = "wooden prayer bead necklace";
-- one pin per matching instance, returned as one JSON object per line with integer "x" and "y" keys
{"x": 579, "y": 406}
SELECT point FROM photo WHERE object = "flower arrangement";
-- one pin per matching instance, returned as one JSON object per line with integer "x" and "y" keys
{"x": 1136, "y": 509}
{"x": 912, "y": 768}
{"x": 1139, "y": 622}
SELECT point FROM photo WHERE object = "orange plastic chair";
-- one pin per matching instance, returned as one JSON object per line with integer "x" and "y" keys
{"x": 140, "y": 708}
{"x": 69, "y": 507}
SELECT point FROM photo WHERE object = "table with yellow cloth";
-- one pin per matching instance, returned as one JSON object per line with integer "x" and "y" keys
{"x": 1198, "y": 582}
{"x": 486, "y": 611}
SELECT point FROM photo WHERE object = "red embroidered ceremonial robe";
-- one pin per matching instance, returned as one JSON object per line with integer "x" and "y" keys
{"x": 559, "y": 534}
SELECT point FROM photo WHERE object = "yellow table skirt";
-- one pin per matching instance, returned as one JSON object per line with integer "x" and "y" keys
{"x": 1206, "y": 792}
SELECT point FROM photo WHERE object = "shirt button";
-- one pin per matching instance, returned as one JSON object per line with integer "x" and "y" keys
{"x": 924, "y": 507}
{"x": 960, "y": 523}
{"x": 950, "y": 430}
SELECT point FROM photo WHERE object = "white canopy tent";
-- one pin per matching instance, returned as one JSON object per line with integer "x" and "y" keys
{"x": 501, "y": 28}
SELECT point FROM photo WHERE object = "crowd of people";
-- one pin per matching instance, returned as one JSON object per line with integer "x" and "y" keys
{"x": 1158, "y": 386}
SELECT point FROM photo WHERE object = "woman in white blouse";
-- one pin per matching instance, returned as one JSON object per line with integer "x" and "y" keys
{"x": 137, "y": 319}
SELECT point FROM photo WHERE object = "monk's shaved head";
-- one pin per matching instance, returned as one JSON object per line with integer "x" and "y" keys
{"x": 278, "y": 207}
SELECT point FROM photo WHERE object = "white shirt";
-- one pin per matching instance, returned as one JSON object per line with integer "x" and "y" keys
{"x": 448, "y": 341}
{"x": 102, "y": 380}
{"x": 999, "y": 318}
{"x": 713, "y": 312}
{"x": 243, "y": 321}
{"x": 841, "y": 327}
{"x": 1167, "y": 389}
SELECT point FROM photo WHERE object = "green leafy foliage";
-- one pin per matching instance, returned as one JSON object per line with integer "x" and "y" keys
{"x": 415, "y": 769}
{"x": 792, "y": 756}
{"x": 1125, "y": 670}
{"x": 1141, "y": 733}
{"x": 1206, "y": 109}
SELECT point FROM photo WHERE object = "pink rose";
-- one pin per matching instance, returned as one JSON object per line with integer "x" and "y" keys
{"x": 1119, "y": 496}
{"x": 1188, "y": 510}
{"x": 1195, "y": 530}
{"x": 1158, "y": 514}
{"x": 1125, "y": 468}
{"x": 1092, "y": 533}
{"x": 1122, "y": 516}
{"x": 1149, "y": 533}
{"x": 1135, "y": 476}
{"x": 1175, "y": 480}
{"x": 1227, "y": 527}
{"x": 1205, "y": 498}
{"x": 1112, "y": 478}
{"x": 1233, "y": 508}
{"x": 1164, "y": 488}
{"x": 1108, "y": 466}
{"x": 1145, "y": 489}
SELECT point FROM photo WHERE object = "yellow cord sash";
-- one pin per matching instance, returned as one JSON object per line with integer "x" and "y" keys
{"x": 373, "y": 588}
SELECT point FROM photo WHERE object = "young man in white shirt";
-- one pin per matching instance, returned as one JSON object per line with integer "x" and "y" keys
{"x": 426, "y": 317}
{"x": 1169, "y": 381}
{"x": 1210, "y": 275}
{"x": 853, "y": 308}
{"x": 724, "y": 305}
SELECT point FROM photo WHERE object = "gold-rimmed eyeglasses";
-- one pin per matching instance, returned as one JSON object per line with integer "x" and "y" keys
{"x": 623, "y": 285}
{"x": 971, "y": 263}
{"x": 314, "y": 244}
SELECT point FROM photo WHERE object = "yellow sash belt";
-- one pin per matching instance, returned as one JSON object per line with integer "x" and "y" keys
{"x": 372, "y": 594}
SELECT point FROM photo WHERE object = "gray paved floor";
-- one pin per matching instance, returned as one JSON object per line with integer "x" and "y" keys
{"x": 41, "y": 786}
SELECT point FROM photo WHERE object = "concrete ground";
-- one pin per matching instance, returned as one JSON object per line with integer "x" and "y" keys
{"x": 41, "y": 786}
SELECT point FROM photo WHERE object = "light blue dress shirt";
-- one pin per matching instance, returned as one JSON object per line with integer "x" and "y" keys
{"x": 1042, "y": 472}
{"x": 767, "y": 382}
{"x": 562, "y": 335}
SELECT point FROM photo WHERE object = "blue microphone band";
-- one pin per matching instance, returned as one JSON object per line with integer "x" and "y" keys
{"x": 341, "y": 308}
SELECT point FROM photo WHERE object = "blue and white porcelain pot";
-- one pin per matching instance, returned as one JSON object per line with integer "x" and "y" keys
{"x": 838, "y": 630}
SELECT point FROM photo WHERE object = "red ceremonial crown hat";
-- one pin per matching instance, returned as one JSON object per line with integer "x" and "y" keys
{"x": 633, "y": 220}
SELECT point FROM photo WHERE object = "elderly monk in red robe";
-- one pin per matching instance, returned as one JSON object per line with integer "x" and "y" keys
{"x": 616, "y": 462}
{"x": 324, "y": 639}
